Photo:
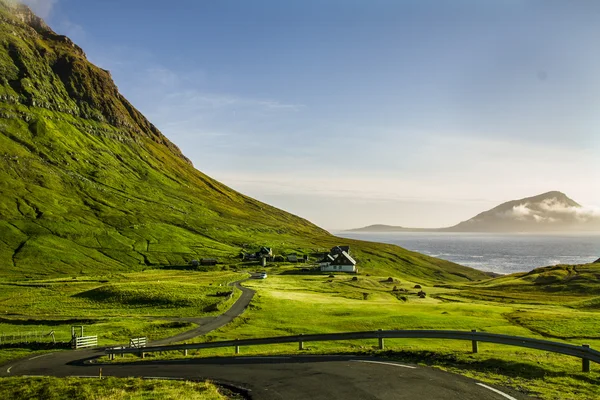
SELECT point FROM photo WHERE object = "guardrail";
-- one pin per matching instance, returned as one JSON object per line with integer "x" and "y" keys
{"x": 81, "y": 342}
{"x": 584, "y": 351}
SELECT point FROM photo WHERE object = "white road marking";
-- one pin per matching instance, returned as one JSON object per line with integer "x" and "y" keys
{"x": 385, "y": 363}
{"x": 163, "y": 378}
{"x": 9, "y": 368}
{"x": 262, "y": 358}
{"x": 497, "y": 391}
{"x": 42, "y": 355}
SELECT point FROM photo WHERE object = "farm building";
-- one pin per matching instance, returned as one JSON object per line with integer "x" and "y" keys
{"x": 265, "y": 252}
{"x": 340, "y": 263}
{"x": 327, "y": 259}
{"x": 339, "y": 250}
{"x": 209, "y": 261}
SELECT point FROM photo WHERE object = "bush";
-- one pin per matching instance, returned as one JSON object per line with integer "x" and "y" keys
{"x": 355, "y": 278}
{"x": 417, "y": 286}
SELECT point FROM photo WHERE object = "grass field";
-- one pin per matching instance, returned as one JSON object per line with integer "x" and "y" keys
{"x": 288, "y": 304}
{"x": 150, "y": 303}
{"x": 105, "y": 389}
{"x": 154, "y": 303}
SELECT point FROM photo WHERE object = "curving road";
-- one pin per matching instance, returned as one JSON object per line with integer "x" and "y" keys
{"x": 270, "y": 378}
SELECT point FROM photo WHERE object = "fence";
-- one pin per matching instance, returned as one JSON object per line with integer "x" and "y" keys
{"x": 584, "y": 352}
{"x": 82, "y": 342}
{"x": 27, "y": 337}
{"x": 138, "y": 342}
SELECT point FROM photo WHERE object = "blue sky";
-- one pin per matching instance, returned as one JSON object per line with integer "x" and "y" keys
{"x": 414, "y": 113}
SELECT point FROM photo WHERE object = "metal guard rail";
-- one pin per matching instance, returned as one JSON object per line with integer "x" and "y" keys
{"x": 583, "y": 352}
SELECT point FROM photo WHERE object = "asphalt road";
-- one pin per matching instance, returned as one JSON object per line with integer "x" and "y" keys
{"x": 270, "y": 378}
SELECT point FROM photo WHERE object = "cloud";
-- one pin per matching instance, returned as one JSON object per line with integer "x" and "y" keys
{"x": 551, "y": 210}
{"x": 521, "y": 212}
{"x": 42, "y": 8}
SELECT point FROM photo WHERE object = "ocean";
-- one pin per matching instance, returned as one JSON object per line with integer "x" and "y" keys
{"x": 500, "y": 253}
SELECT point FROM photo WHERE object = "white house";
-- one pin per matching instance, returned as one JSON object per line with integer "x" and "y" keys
{"x": 341, "y": 263}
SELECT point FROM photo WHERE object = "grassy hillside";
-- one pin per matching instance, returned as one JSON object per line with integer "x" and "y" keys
{"x": 90, "y": 186}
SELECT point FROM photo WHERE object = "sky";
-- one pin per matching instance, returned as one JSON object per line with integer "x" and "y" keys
{"x": 350, "y": 113}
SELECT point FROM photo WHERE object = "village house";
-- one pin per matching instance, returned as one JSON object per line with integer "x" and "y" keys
{"x": 265, "y": 252}
{"x": 342, "y": 262}
{"x": 327, "y": 259}
{"x": 339, "y": 250}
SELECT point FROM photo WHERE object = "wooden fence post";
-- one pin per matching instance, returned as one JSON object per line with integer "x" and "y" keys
{"x": 237, "y": 348}
{"x": 381, "y": 344}
{"x": 474, "y": 345}
{"x": 300, "y": 344}
{"x": 585, "y": 363}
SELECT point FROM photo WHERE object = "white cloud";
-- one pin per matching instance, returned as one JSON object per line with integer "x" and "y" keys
{"x": 42, "y": 8}
{"x": 521, "y": 211}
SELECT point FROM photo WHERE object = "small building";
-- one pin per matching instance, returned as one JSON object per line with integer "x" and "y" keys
{"x": 209, "y": 261}
{"x": 326, "y": 261}
{"x": 250, "y": 257}
{"x": 339, "y": 250}
{"x": 292, "y": 258}
{"x": 265, "y": 252}
{"x": 342, "y": 263}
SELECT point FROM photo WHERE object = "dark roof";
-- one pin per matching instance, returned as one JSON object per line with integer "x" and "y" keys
{"x": 347, "y": 257}
{"x": 339, "y": 249}
{"x": 328, "y": 258}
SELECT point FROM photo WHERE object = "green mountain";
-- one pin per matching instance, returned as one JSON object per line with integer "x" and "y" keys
{"x": 88, "y": 185}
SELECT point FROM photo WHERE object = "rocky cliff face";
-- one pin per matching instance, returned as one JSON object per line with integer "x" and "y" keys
{"x": 48, "y": 70}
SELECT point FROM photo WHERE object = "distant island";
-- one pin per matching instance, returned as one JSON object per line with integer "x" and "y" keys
{"x": 548, "y": 212}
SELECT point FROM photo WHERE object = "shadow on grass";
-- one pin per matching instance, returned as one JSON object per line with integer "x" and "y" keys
{"x": 48, "y": 322}
{"x": 512, "y": 369}
{"x": 36, "y": 346}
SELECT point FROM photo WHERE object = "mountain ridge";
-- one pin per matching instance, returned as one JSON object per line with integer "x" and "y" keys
{"x": 547, "y": 212}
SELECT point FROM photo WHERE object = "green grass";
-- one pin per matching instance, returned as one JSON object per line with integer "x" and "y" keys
{"x": 105, "y": 389}
{"x": 138, "y": 305}
{"x": 288, "y": 304}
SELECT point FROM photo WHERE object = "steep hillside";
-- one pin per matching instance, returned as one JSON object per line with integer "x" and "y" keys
{"x": 89, "y": 185}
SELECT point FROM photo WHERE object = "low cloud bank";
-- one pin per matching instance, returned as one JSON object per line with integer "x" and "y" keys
{"x": 552, "y": 210}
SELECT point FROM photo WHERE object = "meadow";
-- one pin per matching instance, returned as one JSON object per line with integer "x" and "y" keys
{"x": 161, "y": 303}
{"x": 154, "y": 303}
{"x": 289, "y": 303}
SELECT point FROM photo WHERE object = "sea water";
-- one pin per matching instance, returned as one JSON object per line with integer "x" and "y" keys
{"x": 500, "y": 253}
